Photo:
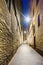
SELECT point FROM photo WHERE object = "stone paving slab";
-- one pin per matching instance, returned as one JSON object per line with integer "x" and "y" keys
{"x": 26, "y": 56}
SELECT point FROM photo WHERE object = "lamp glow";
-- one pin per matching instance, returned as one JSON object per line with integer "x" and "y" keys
{"x": 27, "y": 19}
{"x": 24, "y": 32}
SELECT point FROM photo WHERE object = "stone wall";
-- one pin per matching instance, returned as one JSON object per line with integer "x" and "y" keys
{"x": 9, "y": 35}
{"x": 6, "y": 47}
{"x": 39, "y": 30}
{"x": 38, "y": 34}
{"x": 14, "y": 28}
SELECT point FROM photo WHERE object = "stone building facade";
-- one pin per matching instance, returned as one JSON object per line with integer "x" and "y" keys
{"x": 36, "y": 27}
{"x": 9, "y": 31}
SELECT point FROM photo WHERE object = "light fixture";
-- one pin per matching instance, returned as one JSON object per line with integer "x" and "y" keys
{"x": 27, "y": 19}
{"x": 24, "y": 31}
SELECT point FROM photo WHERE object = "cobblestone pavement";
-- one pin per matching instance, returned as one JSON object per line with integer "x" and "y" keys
{"x": 26, "y": 56}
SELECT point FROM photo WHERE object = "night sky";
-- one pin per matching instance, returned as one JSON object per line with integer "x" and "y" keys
{"x": 25, "y": 10}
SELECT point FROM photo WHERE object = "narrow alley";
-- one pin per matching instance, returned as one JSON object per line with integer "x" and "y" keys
{"x": 26, "y": 56}
{"x": 21, "y": 32}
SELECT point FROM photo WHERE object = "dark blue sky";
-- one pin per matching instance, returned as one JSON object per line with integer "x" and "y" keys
{"x": 25, "y": 10}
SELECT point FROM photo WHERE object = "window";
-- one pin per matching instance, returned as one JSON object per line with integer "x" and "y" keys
{"x": 38, "y": 20}
{"x": 8, "y": 4}
{"x": 13, "y": 1}
{"x": 37, "y": 1}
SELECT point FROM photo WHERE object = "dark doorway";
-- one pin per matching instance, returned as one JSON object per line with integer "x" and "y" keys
{"x": 34, "y": 42}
